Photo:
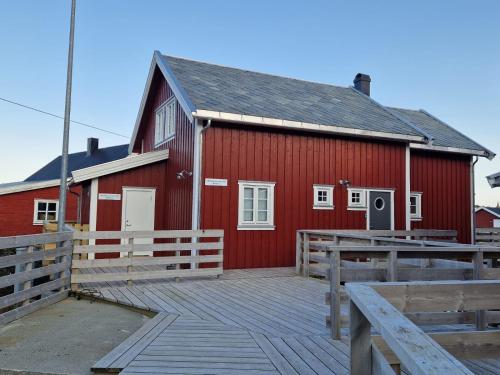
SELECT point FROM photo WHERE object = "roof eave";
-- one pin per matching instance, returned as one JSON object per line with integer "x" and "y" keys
{"x": 453, "y": 150}
{"x": 119, "y": 165}
{"x": 494, "y": 180}
{"x": 32, "y": 185}
{"x": 304, "y": 126}
{"x": 487, "y": 210}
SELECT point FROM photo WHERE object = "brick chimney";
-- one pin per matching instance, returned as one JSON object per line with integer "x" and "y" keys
{"x": 92, "y": 145}
{"x": 362, "y": 83}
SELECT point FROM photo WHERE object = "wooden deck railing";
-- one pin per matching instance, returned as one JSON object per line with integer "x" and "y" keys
{"x": 400, "y": 344}
{"x": 311, "y": 241}
{"x": 182, "y": 256}
{"x": 488, "y": 236}
{"x": 392, "y": 263}
{"x": 30, "y": 282}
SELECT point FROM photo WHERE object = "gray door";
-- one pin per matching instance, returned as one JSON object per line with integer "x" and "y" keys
{"x": 380, "y": 210}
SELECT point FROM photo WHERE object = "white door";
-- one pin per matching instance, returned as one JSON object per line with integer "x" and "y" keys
{"x": 138, "y": 213}
{"x": 496, "y": 223}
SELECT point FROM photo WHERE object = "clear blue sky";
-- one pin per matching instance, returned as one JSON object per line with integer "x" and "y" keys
{"x": 442, "y": 56}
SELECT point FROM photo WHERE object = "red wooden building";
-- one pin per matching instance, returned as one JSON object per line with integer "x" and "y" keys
{"x": 488, "y": 217}
{"x": 261, "y": 156}
{"x": 25, "y": 205}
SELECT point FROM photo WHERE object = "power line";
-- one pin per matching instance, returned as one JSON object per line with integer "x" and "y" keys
{"x": 61, "y": 117}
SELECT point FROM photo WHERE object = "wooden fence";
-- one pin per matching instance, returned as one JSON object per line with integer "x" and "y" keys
{"x": 488, "y": 236}
{"x": 35, "y": 284}
{"x": 186, "y": 254}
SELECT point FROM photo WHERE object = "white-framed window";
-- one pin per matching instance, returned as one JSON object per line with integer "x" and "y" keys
{"x": 45, "y": 210}
{"x": 416, "y": 206}
{"x": 356, "y": 199}
{"x": 323, "y": 197}
{"x": 165, "y": 122}
{"x": 256, "y": 205}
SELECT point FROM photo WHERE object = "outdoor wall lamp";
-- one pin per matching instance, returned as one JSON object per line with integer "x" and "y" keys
{"x": 183, "y": 174}
{"x": 345, "y": 183}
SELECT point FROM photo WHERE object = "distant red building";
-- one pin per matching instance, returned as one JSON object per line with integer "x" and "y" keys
{"x": 261, "y": 156}
{"x": 25, "y": 205}
{"x": 488, "y": 217}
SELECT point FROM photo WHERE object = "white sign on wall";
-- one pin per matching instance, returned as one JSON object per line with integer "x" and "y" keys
{"x": 215, "y": 182}
{"x": 109, "y": 197}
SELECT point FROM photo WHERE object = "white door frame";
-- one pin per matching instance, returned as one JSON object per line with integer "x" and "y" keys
{"x": 124, "y": 202}
{"x": 368, "y": 206}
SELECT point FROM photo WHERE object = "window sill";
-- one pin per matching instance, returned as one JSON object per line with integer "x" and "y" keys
{"x": 256, "y": 227}
{"x": 416, "y": 219}
{"x": 323, "y": 207}
{"x": 356, "y": 208}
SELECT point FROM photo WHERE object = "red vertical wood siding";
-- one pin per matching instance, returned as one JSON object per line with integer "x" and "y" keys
{"x": 444, "y": 180}
{"x": 295, "y": 161}
{"x": 17, "y": 209}
{"x": 484, "y": 219}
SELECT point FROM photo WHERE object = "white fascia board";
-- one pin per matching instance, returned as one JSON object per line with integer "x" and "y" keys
{"x": 280, "y": 123}
{"x": 177, "y": 89}
{"x": 487, "y": 210}
{"x": 453, "y": 150}
{"x": 31, "y": 185}
{"x": 119, "y": 165}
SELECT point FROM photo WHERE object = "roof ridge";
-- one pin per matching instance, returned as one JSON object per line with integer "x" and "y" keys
{"x": 262, "y": 73}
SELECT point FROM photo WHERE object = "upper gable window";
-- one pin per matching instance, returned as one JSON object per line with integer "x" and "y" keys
{"x": 165, "y": 122}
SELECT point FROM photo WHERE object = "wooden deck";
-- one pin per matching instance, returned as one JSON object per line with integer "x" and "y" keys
{"x": 265, "y": 321}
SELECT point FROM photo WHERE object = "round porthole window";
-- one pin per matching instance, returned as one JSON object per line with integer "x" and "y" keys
{"x": 379, "y": 203}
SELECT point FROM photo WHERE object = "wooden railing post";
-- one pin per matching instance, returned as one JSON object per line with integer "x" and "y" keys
{"x": 306, "y": 254}
{"x": 28, "y": 267}
{"x": 66, "y": 259}
{"x": 392, "y": 266}
{"x": 477, "y": 272}
{"x": 130, "y": 256}
{"x": 334, "y": 276}
{"x": 177, "y": 254}
{"x": 220, "y": 252}
{"x": 361, "y": 342}
{"x": 298, "y": 253}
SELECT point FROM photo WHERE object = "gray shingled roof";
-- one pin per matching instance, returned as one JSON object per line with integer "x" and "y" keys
{"x": 442, "y": 134}
{"x": 79, "y": 160}
{"x": 224, "y": 89}
{"x": 218, "y": 88}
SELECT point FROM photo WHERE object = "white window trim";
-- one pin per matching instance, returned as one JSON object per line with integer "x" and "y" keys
{"x": 418, "y": 215}
{"x": 361, "y": 206}
{"x": 35, "y": 210}
{"x": 245, "y": 225}
{"x": 328, "y": 205}
{"x": 163, "y": 107}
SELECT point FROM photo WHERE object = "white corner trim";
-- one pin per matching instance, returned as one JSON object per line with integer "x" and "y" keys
{"x": 280, "y": 123}
{"x": 177, "y": 89}
{"x": 408, "y": 187}
{"x": 94, "y": 192}
{"x": 119, "y": 165}
{"x": 29, "y": 185}
{"x": 195, "y": 207}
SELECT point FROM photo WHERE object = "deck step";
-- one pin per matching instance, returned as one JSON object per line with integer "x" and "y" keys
{"x": 123, "y": 354}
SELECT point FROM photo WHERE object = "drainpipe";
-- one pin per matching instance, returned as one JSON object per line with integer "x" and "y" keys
{"x": 78, "y": 205}
{"x": 473, "y": 199}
